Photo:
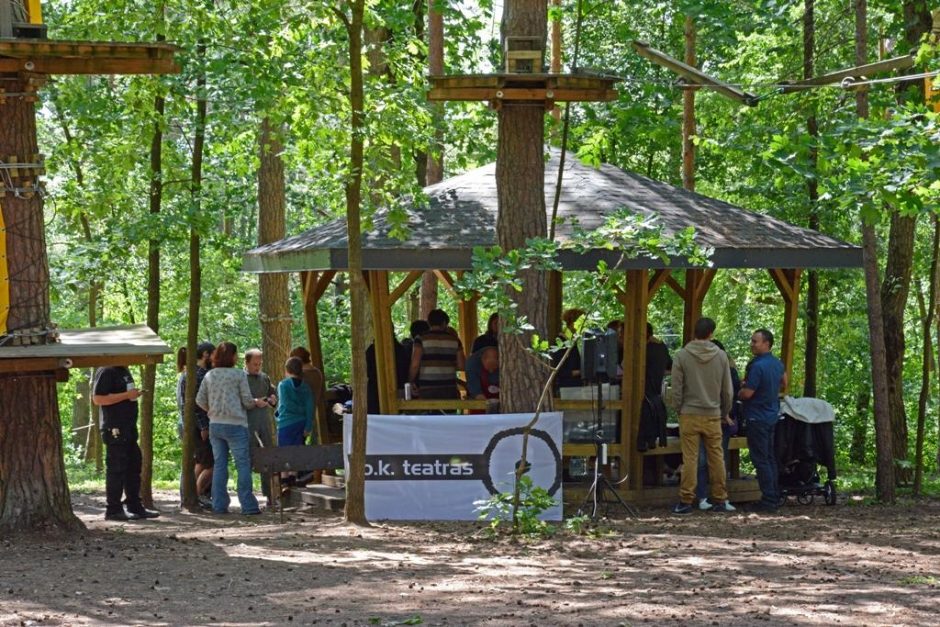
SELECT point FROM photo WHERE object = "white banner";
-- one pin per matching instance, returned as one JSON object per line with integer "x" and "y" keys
{"x": 435, "y": 467}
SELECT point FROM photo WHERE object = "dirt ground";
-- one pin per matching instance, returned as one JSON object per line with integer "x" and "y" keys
{"x": 807, "y": 565}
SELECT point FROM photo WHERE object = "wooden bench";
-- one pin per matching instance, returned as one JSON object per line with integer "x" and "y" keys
{"x": 271, "y": 461}
{"x": 735, "y": 446}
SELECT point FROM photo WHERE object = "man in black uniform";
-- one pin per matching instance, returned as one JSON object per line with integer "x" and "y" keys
{"x": 116, "y": 394}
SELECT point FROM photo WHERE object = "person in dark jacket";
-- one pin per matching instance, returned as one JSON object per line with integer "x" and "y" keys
{"x": 115, "y": 393}
{"x": 490, "y": 338}
{"x": 653, "y": 412}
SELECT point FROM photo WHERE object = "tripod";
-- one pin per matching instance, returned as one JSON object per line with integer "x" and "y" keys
{"x": 601, "y": 485}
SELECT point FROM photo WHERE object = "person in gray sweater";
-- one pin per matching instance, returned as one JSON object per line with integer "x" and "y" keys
{"x": 225, "y": 396}
{"x": 702, "y": 394}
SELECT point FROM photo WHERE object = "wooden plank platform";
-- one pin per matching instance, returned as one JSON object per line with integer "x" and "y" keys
{"x": 87, "y": 348}
{"x": 673, "y": 447}
{"x": 739, "y": 491}
{"x": 520, "y": 87}
{"x": 45, "y": 56}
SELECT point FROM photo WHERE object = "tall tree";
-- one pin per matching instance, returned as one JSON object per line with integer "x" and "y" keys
{"x": 812, "y": 191}
{"x": 688, "y": 112}
{"x": 884, "y": 476}
{"x": 33, "y": 489}
{"x": 188, "y": 480}
{"x": 355, "y": 486}
{"x": 928, "y": 311}
{"x": 520, "y": 188}
{"x": 153, "y": 287}
{"x": 899, "y": 265}
{"x": 274, "y": 299}
{"x": 435, "y": 160}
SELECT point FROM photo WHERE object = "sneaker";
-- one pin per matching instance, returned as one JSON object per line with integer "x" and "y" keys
{"x": 704, "y": 505}
{"x": 682, "y": 509}
{"x": 142, "y": 514}
{"x": 204, "y": 501}
{"x": 724, "y": 506}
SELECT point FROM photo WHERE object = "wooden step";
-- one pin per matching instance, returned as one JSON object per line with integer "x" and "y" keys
{"x": 319, "y": 496}
{"x": 333, "y": 481}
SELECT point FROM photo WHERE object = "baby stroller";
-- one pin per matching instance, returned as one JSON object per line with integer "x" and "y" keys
{"x": 804, "y": 440}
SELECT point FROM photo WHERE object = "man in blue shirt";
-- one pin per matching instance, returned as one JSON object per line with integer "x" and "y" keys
{"x": 760, "y": 393}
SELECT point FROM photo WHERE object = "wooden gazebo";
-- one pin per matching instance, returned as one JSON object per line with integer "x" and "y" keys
{"x": 461, "y": 214}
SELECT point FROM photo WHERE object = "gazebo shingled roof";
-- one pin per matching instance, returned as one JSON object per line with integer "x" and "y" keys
{"x": 461, "y": 214}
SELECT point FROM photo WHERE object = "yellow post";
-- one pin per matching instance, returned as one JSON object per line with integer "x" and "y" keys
{"x": 932, "y": 92}
{"x": 35, "y": 11}
{"x": 788, "y": 284}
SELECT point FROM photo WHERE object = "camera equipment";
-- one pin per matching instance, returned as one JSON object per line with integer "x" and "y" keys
{"x": 599, "y": 351}
{"x": 599, "y": 358}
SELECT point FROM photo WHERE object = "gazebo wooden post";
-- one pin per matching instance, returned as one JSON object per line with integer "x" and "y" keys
{"x": 384, "y": 342}
{"x": 468, "y": 321}
{"x": 313, "y": 286}
{"x": 634, "y": 299}
{"x": 788, "y": 283}
{"x": 555, "y": 296}
{"x": 697, "y": 282}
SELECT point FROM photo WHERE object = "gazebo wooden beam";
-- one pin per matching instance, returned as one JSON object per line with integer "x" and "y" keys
{"x": 788, "y": 284}
{"x": 555, "y": 299}
{"x": 447, "y": 280}
{"x": 313, "y": 286}
{"x": 697, "y": 283}
{"x": 468, "y": 323}
{"x": 634, "y": 299}
{"x": 659, "y": 278}
{"x": 402, "y": 287}
{"x": 384, "y": 342}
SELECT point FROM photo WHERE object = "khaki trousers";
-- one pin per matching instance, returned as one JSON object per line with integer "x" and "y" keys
{"x": 708, "y": 428}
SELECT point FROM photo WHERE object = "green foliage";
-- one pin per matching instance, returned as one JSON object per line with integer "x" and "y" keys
{"x": 533, "y": 500}
{"x": 578, "y": 525}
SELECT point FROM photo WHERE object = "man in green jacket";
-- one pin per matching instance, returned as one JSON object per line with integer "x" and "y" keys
{"x": 702, "y": 394}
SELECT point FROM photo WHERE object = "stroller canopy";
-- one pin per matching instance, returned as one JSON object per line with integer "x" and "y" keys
{"x": 808, "y": 410}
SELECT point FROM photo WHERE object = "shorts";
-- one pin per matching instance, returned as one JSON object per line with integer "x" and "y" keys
{"x": 291, "y": 435}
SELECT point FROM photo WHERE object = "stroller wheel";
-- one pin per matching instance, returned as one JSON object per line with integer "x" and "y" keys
{"x": 829, "y": 493}
{"x": 806, "y": 498}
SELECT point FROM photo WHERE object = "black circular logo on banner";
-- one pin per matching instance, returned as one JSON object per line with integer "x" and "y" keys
{"x": 518, "y": 431}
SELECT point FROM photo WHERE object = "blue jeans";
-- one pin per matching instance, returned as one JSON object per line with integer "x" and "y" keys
{"x": 234, "y": 438}
{"x": 701, "y": 486}
{"x": 760, "y": 442}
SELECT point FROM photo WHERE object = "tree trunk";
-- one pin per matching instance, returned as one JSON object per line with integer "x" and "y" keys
{"x": 34, "y": 490}
{"x": 153, "y": 302}
{"x": 859, "y": 445}
{"x": 93, "y": 443}
{"x": 81, "y": 413}
{"x": 355, "y": 487}
{"x": 434, "y": 172}
{"x": 274, "y": 299}
{"x": 927, "y": 313}
{"x": 188, "y": 480}
{"x": 688, "y": 112}
{"x": 520, "y": 185}
{"x": 894, "y": 292}
{"x": 884, "y": 476}
{"x": 812, "y": 192}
